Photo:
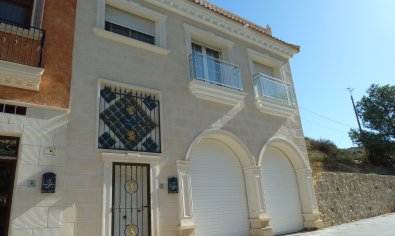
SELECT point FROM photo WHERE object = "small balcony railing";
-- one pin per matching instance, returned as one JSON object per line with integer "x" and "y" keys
{"x": 271, "y": 88}
{"x": 214, "y": 71}
{"x": 21, "y": 45}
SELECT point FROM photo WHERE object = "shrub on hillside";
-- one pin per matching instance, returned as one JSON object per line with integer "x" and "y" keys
{"x": 325, "y": 146}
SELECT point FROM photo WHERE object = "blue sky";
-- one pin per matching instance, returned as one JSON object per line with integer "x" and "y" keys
{"x": 344, "y": 43}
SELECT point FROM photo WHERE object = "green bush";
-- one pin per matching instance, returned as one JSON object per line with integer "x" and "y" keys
{"x": 325, "y": 146}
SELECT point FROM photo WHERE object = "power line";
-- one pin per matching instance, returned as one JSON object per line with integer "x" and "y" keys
{"x": 327, "y": 118}
{"x": 316, "y": 123}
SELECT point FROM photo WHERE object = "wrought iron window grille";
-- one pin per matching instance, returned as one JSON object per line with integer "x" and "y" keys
{"x": 129, "y": 120}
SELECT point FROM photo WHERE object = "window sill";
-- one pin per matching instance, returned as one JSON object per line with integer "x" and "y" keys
{"x": 215, "y": 93}
{"x": 275, "y": 108}
{"x": 20, "y": 76}
{"x": 129, "y": 41}
{"x": 135, "y": 157}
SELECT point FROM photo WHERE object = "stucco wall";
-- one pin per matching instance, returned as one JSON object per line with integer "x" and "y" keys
{"x": 184, "y": 116}
{"x": 58, "y": 22}
{"x": 76, "y": 208}
{"x": 346, "y": 197}
{"x": 35, "y": 213}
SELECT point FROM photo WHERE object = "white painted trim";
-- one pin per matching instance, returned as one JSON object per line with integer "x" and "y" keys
{"x": 272, "y": 107}
{"x": 129, "y": 86}
{"x": 264, "y": 58}
{"x": 14, "y": 130}
{"x": 239, "y": 148}
{"x": 216, "y": 93}
{"x": 20, "y": 76}
{"x": 136, "y": 9}
{"x": 290, "y": 150}
{"x": 211, "y": 19}
{"x": 25, "y": 104}
{"x": 129, "y": 41}
{"x": 194, "y": 33}
{"x": 264, "y": 104}
{"x": 109, "y": 159}
{"x": 256, "y": 198}
{"x": 304, "y": 178}
{"x": 268, "y": 60}
{"x": 187, "y": 221}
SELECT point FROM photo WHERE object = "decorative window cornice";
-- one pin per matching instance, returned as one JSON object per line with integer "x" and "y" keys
{"x": 20, "y": 76}
{"x": 208, "y": 18}
{"x": 138, "y": 10}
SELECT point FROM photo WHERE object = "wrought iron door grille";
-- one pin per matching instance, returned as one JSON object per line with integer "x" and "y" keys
{"x": 129, "y": 120}
{"x": 131, "y": 207}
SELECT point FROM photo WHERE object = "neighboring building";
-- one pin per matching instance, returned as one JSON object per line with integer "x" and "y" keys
{"x": 36, "y": 45}
{"x": 182, "y": 121}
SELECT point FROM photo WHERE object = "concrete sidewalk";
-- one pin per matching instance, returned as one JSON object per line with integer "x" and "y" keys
{"x": 383, "y": 225}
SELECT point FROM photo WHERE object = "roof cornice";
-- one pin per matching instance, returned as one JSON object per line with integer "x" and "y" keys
{"x": 221, "y": 23}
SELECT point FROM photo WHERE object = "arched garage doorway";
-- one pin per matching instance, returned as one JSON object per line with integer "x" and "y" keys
{"x": 281, "y": 190}
{"x": 219, "y": 192}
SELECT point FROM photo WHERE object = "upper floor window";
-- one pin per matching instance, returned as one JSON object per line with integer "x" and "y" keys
{"x": 22, "y": 13}
{"x": 17, "y": 12}
{"x": 272, "y": 84}
{"x": 130, "y": 25}
{"x": 207, "y": 64}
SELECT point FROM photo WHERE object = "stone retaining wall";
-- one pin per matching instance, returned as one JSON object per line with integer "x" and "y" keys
{"x": 346, "y": 197}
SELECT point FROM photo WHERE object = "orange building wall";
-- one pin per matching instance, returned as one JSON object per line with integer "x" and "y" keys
{"x": 59, "y": 23}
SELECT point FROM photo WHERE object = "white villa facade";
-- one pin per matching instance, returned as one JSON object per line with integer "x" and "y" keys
{"x": 182, "y": 121}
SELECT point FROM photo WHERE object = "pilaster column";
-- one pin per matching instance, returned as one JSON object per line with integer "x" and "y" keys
{"x": 311, "y": 214}
{"x": 259, "y": 221}
{"x": 187, "y": 224}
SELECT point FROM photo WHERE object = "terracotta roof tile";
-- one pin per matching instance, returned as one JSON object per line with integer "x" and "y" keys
{"x": 240, "y": 20}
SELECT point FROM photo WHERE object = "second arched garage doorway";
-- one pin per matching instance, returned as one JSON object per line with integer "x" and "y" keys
{"x": 281, "y": 192}
{"x": 218, "y": 191}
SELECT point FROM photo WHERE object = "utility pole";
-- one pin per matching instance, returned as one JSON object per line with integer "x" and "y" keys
{"x": 359, "y": 125}
{"x": 355, "y": 109}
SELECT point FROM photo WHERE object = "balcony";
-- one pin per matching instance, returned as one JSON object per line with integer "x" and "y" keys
{"x": 21, "y": 55}
{"x": 274, "y": 96}
{"x": 215, "y": 80}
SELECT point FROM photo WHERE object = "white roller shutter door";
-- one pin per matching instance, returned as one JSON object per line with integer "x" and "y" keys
{"x": 281, "y": 193}
{"x": 218, "y": 190}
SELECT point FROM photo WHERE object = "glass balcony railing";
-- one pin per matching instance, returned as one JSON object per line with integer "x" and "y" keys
{"x": 271, "y": 88}
{"x": 214, "y": 71}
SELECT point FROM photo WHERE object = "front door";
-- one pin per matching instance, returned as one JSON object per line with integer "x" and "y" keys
{"x": 131, "y": 207}
{"x": 8, "y": 155}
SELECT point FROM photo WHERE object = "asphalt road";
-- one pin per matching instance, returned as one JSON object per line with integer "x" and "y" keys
{"x": 383, "y": 225}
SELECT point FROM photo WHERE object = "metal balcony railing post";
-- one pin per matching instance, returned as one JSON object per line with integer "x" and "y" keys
{"x": 266, "y": 86}
{"x": 215, "y": 71}
{"x": 21, "y": 44}
{"x": 40, "y": 63}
